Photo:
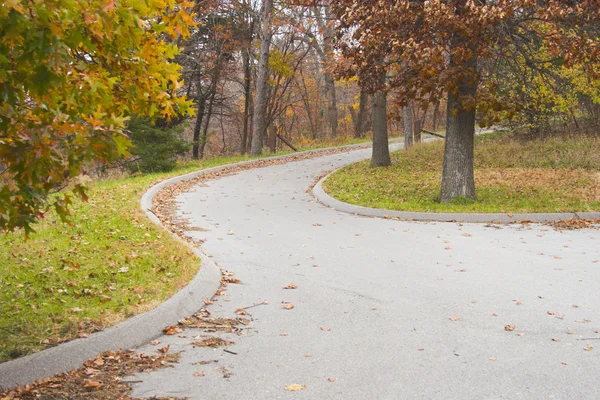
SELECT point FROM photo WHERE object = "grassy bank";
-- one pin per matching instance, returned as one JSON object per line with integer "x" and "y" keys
{"x": 511, "y": 175}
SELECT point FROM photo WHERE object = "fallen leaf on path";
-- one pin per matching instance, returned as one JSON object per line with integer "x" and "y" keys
{"x": 229, "y": 279}
{"x": 326, "y": 329}
{"x": 287, "y": 306}
{"x": 295, "y": 387}
{"x": 212, "y": 342}
{"x": 331, "y": 379}
{"x": 171, "y": 330}
{"x": 570, "y": 331}
{"x": 291, "y": 286}
{"x": 555, "y": 339}
{"x": 510, "y": 328}
{"x": 564, "y": 363}
{"x": 198, "y": 373}
{"x": 492, "y": 358}
{"x": 494, "y": 314}
{"x": 164, "y": 349}
{"x": 551, "y": 312}
{"x": 454, "y": 319}
{"x": 241, "y": 311}
{"x": 421, "y": 349}
{"x": 588, "y": 348}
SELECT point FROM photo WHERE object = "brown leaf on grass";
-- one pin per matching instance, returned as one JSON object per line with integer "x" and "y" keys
{"x": 295, "y": 387}
{"x": 290, "y": 286}
{"x": 91, "y": 384}
{"x": 171, "y": 330}
{"x": 510, "y": 328}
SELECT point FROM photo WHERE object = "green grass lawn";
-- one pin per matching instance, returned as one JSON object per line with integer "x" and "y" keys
{"x": 511, "y": 175}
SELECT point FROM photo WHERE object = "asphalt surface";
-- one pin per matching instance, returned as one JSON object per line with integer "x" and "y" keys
{"x": 386, "y": 309}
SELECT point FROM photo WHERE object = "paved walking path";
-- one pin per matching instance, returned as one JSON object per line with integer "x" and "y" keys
{"x": 386, "y": 309}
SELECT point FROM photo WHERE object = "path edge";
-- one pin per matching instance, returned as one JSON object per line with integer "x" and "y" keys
{"x": 493, "y": 218}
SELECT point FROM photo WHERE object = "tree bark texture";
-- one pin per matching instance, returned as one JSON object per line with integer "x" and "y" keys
{"x": 381, "y": 152}
{"x": 359, "y": 123}
{"x": 247, "y": 95}
{"x": 198, "y": 127}
{"x": 457, "y": 175}
{"x": 262, "y": 81}
{"x": 408, "y": 125}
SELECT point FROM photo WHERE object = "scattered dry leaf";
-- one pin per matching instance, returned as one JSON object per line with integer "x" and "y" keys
{"x": 326, "y": 329}
{"x": 510, "y": 328}
{"x": 295, "y": 387}
{"x": 241, "y": 311}
{"x": 454, "y": 319}
{"x": 91, "y": 384}
{"x": 164, "y": 349}
{"x": 287, "y": 306}
{"x": 199, "y": 373}
{"x": 588, "y": 348}
{"x": 331, "y": 379}
{"x": 171, "y": 330}
{"x": 555, "y": 339}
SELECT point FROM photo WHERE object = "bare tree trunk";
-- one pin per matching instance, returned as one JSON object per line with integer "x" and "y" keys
{"x": 272, "y": 138}
{"x": 381, "y": 152}
{"x": 359, "y": 124}
{"x": 204, "y": 135}
{"x": 325, "y": 52}
{"x": 247, "y": 95}
{"x": 408, "y": 125}
{"x": 417, "y": 131}
{"x": 332, "y": 114}
{"x": 198, "y": 127}
{"x": 436, "y": 111}
{"x": 457, "y": 175}
{"x": 262, "y": 89}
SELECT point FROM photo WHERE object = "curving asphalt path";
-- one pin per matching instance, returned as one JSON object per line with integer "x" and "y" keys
{"x": 386, "y": 309}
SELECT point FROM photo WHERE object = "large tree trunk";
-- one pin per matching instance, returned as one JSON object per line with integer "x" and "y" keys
{"x": 457, "y": 175}
{"x": 262, "y": 81}
{"x": 359, "y": 124}
{"x": 381, "y": 152}
{"x": 408, "y": 125}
